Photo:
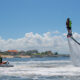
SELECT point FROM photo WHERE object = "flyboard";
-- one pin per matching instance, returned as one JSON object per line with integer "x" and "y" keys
{"x": 5, "y": 64}
{"x": 74, "y": 47}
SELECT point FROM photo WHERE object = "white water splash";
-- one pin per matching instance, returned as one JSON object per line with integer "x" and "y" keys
{"x": 28, "y": 70}
{"x": 75, "y": 52}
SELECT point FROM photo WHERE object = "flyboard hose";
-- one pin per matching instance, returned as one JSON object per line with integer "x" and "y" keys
{"x": 75, "y": 40}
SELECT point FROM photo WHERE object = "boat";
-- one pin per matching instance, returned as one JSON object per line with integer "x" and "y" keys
{"x": 5, "y": 64}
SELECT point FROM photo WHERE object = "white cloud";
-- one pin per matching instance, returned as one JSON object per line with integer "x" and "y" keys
{"x": 36, "y": 41}
{"x": 56, "y": 32}
{"x": 76, "y": 35}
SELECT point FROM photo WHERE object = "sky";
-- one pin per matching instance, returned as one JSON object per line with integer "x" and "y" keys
{"x": 39, "y": 19}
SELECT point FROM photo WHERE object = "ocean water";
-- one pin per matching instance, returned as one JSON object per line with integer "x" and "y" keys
{"x": 47, "y": 68}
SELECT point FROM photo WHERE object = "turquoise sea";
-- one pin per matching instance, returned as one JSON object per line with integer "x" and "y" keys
{"x": 47, "y": 68}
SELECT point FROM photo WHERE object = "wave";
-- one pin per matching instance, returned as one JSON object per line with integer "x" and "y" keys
{"x": 41, "y": 68}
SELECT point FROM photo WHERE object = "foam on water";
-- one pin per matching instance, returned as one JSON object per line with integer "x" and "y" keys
{"x": 41, "y": 68}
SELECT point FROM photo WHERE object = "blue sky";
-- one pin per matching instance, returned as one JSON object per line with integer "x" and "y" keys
{"x": 18, "y": 17}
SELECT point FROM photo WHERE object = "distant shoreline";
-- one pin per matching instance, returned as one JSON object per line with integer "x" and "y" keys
{"x": 26, "y": 56}
{"x": 10, "y": 56}
{"x": 30, "y": 54}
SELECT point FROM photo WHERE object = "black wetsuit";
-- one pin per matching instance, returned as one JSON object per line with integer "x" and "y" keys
{"x": 0, "y": 59}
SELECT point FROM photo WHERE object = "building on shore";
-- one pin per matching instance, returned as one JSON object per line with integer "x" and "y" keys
{"x": 12, "y": 52}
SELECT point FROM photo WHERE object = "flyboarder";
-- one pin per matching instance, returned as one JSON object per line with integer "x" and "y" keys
{"x": 68, "y": 26}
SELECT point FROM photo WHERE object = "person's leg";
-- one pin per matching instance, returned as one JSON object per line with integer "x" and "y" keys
{"x": 69, "y": 32}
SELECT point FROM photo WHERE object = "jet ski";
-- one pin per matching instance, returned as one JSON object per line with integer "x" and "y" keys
{"x": 5, "y": 64}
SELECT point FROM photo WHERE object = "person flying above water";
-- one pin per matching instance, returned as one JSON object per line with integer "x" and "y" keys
{"x": 68, "y": 26}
